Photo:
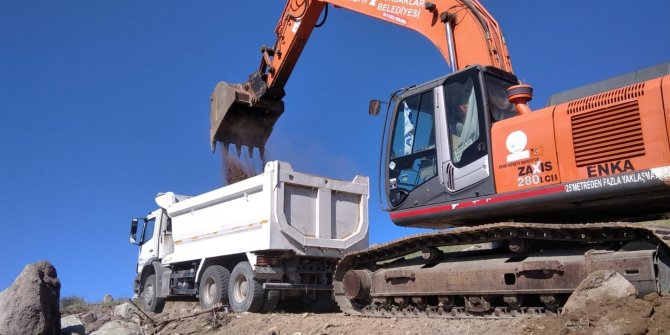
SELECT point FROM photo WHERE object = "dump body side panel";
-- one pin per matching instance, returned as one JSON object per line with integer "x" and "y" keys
{"x": 233, "y": 219}
{"x": 278, "y": 210}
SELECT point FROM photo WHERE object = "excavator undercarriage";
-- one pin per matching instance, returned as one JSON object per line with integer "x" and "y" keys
{"x": 529, "y": 268}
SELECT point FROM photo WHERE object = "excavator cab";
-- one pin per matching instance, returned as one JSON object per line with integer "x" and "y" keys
{"x": 238, "y": 117}
{"x": 438, "y": 147}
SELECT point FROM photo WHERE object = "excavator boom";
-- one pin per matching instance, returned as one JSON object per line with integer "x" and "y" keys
{"x": 244, "y": 114}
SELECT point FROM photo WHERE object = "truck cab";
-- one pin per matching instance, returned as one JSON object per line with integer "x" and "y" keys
{"x": 153, "y": 235}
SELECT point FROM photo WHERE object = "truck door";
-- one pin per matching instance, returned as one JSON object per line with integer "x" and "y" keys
{"x": 149, "y": 240}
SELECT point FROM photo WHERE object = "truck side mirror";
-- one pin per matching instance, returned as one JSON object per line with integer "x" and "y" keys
{"x": 133, "y": 231}
{"x": 375, "y": 106}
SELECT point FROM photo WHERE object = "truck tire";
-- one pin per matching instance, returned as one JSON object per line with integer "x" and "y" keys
{"x": 214, "y": 286}
{"x": 149, "y": 301}
{"x": 245, "y": 293}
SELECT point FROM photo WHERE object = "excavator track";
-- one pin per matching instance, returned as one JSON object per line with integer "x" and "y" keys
{"x": 539, "y": 266}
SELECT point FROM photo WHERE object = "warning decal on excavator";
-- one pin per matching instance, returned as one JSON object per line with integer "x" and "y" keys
{"x": 612, "y": 181}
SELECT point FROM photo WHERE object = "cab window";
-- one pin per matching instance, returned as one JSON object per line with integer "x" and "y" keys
{"x": 148, "y": 232}
{"x": 413, "y": 158}
{"x": 496, "y": 94}
{"x": 465, "y": 120}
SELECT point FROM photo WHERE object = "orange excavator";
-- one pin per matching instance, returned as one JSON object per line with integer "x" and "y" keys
{"x": 466, "y": 151}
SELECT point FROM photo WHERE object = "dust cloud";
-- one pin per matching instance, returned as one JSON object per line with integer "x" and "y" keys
{"x": 237, "y": 168}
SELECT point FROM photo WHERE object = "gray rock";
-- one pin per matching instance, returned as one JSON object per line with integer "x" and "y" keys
{"x": 125, "y": 311}
{"x": 107, "y": 298}
{"x": 118, "y": 327}
{"x": 598, "y": 286}
{"x": 89, "y": 317}
{"x": 31, "y": 304}
{"x": 72, "y": 325}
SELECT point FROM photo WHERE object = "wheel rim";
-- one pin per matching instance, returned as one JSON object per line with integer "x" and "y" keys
{"x": 241, "y": 289}
{"x": 148, "y": 294}
{"x": 210, "y": 290}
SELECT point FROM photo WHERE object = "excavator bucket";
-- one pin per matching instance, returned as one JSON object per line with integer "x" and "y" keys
{"x": 236, "y": 119}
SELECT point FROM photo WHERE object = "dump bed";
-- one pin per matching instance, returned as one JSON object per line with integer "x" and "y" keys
{"x": 279, "y": 209}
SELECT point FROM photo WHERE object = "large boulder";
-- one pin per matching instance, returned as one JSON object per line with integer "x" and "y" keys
{"x": 89, "y": 317}
{"x": 124, "y": 311}
{"x": 31, "y": 304}
{"x": 598, "y": 287}
{"x": 72, "y": 325}
{"x": 119, "y": 327}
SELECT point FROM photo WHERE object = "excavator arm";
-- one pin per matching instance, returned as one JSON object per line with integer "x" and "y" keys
{"x": 244, "y": 114}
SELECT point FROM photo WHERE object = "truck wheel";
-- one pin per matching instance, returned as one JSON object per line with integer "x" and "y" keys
{"x": 149, "y": 300}
{"x": 245, "y": 294}
{"x": 214, "y": 286}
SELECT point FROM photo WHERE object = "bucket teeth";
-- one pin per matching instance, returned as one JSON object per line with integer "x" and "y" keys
{"x": 239, "y": 149}
{"x": 226, "y": 147}
{"x": 261, "y": 151}
{"x": 250, "y": 150}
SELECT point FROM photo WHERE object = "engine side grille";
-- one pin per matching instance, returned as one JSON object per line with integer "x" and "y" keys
{"x": 607, "y": 134}
{"x": 606, "y": 99}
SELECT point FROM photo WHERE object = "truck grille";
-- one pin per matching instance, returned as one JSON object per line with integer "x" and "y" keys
{"x": 607, "y": 134}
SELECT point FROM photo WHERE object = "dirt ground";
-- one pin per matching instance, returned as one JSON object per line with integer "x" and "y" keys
{"x": 280, "y": 323}
{"x": 650, "y": 315}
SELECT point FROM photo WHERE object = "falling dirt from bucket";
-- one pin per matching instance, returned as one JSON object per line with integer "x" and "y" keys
{"x": 236, "y": 168}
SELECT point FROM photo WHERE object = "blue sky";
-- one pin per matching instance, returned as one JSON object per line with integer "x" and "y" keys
{"x": 106, "y": 103}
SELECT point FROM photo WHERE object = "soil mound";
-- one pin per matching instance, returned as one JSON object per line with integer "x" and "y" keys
{"x": 628, "y": 315}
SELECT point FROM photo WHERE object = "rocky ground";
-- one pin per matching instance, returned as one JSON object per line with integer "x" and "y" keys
{"x": 628, "y": 315}
{"x": 605, "y": 303}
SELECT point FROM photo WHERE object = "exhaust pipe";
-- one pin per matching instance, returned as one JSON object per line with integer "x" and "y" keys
{"x": 237, "y": 117}
{"x": 519, "y": 95}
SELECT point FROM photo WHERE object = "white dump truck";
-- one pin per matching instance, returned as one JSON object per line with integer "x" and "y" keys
{"x": 274, "y": 236}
